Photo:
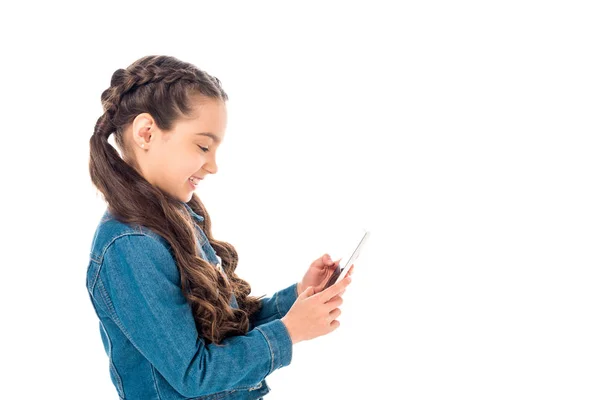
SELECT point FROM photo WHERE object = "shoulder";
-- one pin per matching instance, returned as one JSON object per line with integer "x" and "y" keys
{"x": 119, "y": 236}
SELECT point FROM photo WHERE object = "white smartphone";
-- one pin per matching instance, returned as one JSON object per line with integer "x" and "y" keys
{"x": 345, "y": 263}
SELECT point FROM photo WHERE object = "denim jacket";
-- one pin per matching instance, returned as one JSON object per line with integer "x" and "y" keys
{"x": 148, "y": 330}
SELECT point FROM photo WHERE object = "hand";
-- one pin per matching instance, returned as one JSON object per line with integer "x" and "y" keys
{"x": 314, "y": 314}
{"x": 319, "y": 273}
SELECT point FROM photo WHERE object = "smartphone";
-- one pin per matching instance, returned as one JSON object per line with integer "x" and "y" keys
{"x": 345, "y": 263}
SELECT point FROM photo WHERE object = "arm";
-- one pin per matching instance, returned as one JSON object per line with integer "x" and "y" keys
{"x": 144, "y": 297}
{"x": 275, "y": 307}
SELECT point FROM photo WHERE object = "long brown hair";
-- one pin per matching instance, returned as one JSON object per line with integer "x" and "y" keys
{"x": 161, "y": 86}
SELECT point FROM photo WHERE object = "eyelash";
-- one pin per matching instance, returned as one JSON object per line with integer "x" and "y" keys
{"x": 204, "y": 149}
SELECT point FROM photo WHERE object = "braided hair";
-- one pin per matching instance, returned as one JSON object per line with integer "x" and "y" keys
{"x": 162, "y": 86}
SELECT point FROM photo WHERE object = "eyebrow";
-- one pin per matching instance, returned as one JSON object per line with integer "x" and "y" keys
{"x": 210, "y": 135}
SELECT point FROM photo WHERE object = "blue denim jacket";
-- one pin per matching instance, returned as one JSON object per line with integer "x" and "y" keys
{"x": 148, "y": 330}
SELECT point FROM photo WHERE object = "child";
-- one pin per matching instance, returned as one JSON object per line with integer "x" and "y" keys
{"x": 176, "y": 321}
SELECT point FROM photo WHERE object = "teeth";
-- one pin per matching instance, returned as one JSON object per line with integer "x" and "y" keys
{"x": 193, "y": 181}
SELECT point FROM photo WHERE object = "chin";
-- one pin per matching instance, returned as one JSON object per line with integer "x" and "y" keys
{"x": 184, "y": 196}
{"x": 188, "y": 197}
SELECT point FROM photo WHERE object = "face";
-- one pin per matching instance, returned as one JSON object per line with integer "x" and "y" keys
{"x": 169, "y": 159}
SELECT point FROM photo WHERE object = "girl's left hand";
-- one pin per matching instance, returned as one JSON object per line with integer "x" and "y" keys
{"x": 319, "y": 273}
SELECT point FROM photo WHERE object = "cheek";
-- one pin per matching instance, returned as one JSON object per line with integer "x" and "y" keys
{"x": 178, "y": 165}
{"x": 191, "y": 165}
{"x": 172, "y": 168}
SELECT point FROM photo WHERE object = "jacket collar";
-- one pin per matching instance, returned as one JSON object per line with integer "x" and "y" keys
{"x": 192, "y": 213}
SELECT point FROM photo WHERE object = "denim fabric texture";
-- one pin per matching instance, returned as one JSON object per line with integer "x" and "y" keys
{"x": 148, "y": 330}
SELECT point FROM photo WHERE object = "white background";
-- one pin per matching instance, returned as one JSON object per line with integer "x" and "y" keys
{"x": 464, "y": 135}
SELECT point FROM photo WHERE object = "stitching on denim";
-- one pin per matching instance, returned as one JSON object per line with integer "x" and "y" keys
{"x": 270, "y": 349}
{"x": 277, "y": 304}
{"x": 113, "y": 314}
{"x": 129, "y": 233}
{"x": 214, "y": 396}
{"x": 109, "y": 305}
{"x": 95, "y": 279}
{"x": 154, "y": 380}
{"x": 114, "y": 368}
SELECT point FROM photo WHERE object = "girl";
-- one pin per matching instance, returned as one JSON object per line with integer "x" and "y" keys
{"x": 175, "y": 319}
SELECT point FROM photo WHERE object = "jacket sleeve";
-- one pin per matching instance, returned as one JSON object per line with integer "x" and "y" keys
{"x": 275, "y": 307}
{"x": 145, "y": 300}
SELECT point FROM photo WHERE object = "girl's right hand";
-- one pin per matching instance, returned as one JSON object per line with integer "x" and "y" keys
{"x": 314, "y": 315}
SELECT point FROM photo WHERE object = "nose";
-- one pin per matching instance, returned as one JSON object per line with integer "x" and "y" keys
{"x": 211, "y": 166}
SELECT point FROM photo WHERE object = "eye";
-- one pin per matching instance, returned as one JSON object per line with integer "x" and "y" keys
{"x": 204, "y": 149}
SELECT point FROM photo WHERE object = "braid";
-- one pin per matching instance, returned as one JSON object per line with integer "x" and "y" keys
{"x": 148, "y": 70}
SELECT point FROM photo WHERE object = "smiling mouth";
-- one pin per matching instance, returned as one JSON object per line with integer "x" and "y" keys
{"x": 195, "y": 180}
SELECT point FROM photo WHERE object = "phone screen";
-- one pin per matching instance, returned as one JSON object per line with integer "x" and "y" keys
{"x": 334, "y": 277}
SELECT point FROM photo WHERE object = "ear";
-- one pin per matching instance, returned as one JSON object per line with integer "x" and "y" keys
{"x": 142, "y": 129}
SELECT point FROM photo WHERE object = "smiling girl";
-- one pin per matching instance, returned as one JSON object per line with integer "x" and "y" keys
{"x": 175, "y": 319}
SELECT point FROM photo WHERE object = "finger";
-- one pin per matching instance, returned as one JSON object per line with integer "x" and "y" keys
{"x": 334, "y": 314}
{"x": 327, "y": 260}
{"x": 335, "y": 289}
{"x": 333, "y": 265}
{"x": 321, "y": 262}
{"x": 309, "y": 291}
{"x": 335, "y": 302}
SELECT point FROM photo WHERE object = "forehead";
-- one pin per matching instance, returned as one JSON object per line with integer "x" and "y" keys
{"x": 208, "y": 119}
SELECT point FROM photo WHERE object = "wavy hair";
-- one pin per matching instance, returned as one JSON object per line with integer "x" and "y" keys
{"x": 162, "y": 86}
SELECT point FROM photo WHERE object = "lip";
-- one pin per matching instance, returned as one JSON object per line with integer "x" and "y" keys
{"x": 191, "y": 184}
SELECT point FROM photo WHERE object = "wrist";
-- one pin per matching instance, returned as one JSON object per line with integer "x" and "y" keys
{"x": 289, "y": 330}
{"x": 299, "y": 289}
